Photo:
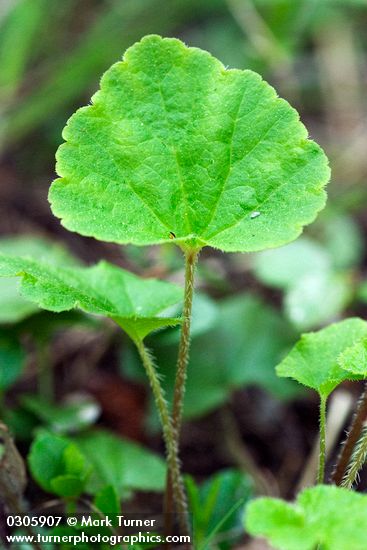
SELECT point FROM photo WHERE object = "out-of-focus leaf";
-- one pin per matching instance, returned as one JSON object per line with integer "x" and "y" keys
{"x": 343, "y": 239}
{"x": 308, "y": 275}
{"x": 65, "y": 418}
{"x": 57, "y": 465}
{"x": 121, "y": 463}
{"x": 317, "y": 298}
{"x": 107, "y": 501}
{"x": 21, "y": 423}
{"x": 12, "y": 359}
{"x": 17, "y": 33}
{"x": 313, "y": 361}
{"x": 328, "y": 517}
{"x": 37, "y": 247}
{"x": 362, "y": 292}
{"x": 211, "y": 502}
{"x": 285, "y": 266}
{"x": 204, "y": 317}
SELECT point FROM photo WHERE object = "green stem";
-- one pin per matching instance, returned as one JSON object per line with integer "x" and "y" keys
{"x": 357, "y": 463}
{"x": 173, "y": 461}
{"x": 184, "y": 347}
{"x": 181, "y": 374}
{"x": 321, "y": 471}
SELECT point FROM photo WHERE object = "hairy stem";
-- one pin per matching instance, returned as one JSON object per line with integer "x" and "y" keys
{"x": 321, "y": 471}
{"x": 184, "y": 347}
{"x": 181, "y": 373}
{"x": 173, "y": 461}
{"x": 349, "y": 444}
{"x": 357, "y": 462}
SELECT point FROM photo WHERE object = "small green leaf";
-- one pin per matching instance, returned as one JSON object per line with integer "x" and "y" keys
{"x": 313, "y": 361}
{"x": 176, "y": 145}
{"x": 72, "y": 482}
{"x": 67, "y": 486}
{"x": 120, "y": 463}
{"x": 354, "y": 359}
{"x": 57, "y": 465}
{"x": 136, "y": 304}
{"x": 329, "y": 516}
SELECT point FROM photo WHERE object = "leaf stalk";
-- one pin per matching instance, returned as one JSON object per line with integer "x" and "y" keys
{"x": 173, "y": 461}
{"x": 321, "y": 470}
{"x": 181, "y": 372}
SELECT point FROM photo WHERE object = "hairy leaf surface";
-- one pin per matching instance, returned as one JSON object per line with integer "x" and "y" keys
{"x": 136, "y": 304}
{"x": 176, "y": 147}
{"x": 14, "y": 307}
{"x": 354, "y": 359}
{"x": 314, "y": 359}
{"x": 329, "y": 516}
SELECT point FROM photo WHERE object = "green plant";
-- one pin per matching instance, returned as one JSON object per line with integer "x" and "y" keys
{"x": 217, "y": 507}
{"x": 325, "y": 517}
{"x": 93, "y": 460}
{"x": 173, "y": 149}
{"x": 314, "y": 362}
{"x": 328, "y": 516}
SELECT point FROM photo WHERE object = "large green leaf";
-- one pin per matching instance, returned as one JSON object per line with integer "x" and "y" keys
{"x": 176, "y": 146}
{"x": 135, "y": 304}
{"x": 329, "y": 516}
{"x": 314, "y": 359}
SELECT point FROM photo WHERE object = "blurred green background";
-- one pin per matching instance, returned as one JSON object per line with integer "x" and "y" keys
{"x": 250, "y": 308}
